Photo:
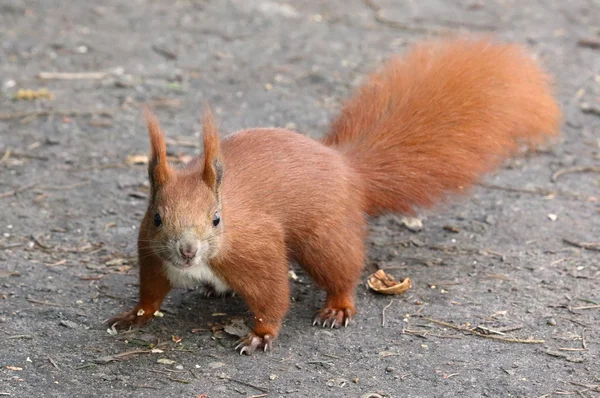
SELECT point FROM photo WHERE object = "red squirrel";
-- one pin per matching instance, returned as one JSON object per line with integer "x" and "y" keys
{"x": 422, "y": 128}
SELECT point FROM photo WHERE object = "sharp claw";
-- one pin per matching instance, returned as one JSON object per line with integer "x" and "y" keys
{"x": 315, "y": 321}
{"x": 324, "y": 323}
{"x": 237, "y": 347}
{"x": 346, "y": 322}
{"x": 244, "y": 349}
{"x": 333, "y": 323}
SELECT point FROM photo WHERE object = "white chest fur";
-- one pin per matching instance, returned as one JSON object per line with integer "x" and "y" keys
{"x": 193, "y": 276}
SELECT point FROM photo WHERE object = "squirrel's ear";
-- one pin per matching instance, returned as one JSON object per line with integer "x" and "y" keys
{"x": 158, "y": 168}
{"x": 213, "y": 163}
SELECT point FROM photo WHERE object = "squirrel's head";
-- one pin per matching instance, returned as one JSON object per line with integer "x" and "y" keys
{"x": 183, "y": 224}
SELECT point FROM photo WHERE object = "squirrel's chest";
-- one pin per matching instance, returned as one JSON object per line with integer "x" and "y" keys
{"x": 193, "y": 276}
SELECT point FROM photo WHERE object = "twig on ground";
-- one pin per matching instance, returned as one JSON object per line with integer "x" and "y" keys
{"x": 37, "y": 241}
{"x": 586, "y": 307}
{"x": 178, "y": 380}
{"x": 16, "y": 191}
{"x": 575, "y": 169}
{"x": 10, "y": 246}
{"x": 123, "y": 355}
{"x": 143, "y": 386}
{"x": 426, "y": 333}
{"x": 583, "y": 245}
{"x": 378, "y": 13}
{"x": 43, "y": 302}
{"x": 53, "y": 363}
{"x": 473, "y": 331}
{"x": 245, "y": 383}
{"x": 20, "y": 336}
{"x": 383, "y": 312}
{"x": 61, "y": 112}
{"x": 72, "y": 76}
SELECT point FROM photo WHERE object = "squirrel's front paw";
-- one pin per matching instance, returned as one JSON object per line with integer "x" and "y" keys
{"x": 135, "y": 317}
{"x": 251, "y": 342}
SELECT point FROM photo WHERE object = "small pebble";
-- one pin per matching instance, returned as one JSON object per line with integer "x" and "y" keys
{"x": 551, "y": 322}
{"x": 215, "y": 365}
{"x": 390, "y": 369}
{"x": 69, "y": 324}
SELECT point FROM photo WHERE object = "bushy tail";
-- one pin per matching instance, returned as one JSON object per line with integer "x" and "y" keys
{"x": 432, "y": 123}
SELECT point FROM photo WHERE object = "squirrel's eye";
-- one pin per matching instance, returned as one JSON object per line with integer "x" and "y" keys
{"x": 216, "y": 219}
{"x": 157, "y": 220}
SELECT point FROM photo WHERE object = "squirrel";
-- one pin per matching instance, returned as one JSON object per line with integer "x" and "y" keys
{"x": 423, "y": 128}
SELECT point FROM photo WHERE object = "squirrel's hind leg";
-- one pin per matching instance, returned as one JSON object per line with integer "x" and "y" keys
{"x": 334, "y": 258}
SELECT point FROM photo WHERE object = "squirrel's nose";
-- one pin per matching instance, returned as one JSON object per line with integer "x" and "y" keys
{"x": 188, "y": 250}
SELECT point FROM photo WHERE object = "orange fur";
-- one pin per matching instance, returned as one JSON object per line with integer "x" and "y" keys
{"x": 421, "y": 128}
{"x": 432, "y": 123}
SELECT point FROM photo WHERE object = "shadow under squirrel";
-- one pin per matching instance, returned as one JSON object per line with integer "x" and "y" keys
{"x": 422, "y": 128}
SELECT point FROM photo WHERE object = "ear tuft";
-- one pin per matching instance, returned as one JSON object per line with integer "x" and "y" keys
{"x": 213, "y": 164}
{"x": 158, "y": 168}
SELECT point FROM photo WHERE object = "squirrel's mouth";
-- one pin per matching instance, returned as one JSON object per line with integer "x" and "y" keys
{"x": 188, "y": 263}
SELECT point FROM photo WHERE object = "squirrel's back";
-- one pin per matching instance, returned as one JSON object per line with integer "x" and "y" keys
{"x": 293, "y": 178}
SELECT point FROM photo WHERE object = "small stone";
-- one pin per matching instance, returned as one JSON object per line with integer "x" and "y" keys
{"x": 215, "y": 365}
{"x": 273, "y": 377}
{"x": 491, "y": 220}
{"x": 69, "y": 324}
{"x": 551, "y": 322}
{"x": 552, "y": 217}
{"x": 412, "y": 223}
{"x": 179, "y": 367}
{"x": 292, "y": 275}
{"x": 390, "y": 369}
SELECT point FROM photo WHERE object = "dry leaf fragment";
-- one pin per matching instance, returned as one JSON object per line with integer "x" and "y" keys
{"x": 165, "y": 361}
{"x": 158, "y": 314}
{"x": 26, "y": 94}
{"x": 136, "y": 159}
{"x": 176, "y": 339}
{"x": 386, "y": 284}
{"x": 13, "y": 367}
{"x": 237, "y": 327}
